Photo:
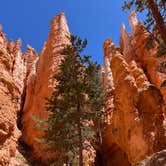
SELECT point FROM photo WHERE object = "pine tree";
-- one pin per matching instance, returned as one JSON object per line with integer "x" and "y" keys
{"x": 75, "y": 105}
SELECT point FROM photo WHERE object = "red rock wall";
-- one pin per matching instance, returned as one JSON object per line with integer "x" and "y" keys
{"x": 12, "y": 75}
{"x": 148, "y": 59}
{"x": 40, "y": 83}
{"x": 135, "y": 106}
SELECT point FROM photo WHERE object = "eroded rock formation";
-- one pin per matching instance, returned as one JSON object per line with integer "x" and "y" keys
{"x": 11, "y": 85}
{"x": 25, "y": 82}
{"x": 135, "y": 127}
{"x": 40, "y": 83}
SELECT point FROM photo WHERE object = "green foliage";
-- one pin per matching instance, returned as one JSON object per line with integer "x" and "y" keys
{"x": 141, "y": 5}
{"x": 162, "y": 67}
{"x": 75, "y": 105}
{"x": 114, "y": 130}
{"x": 149, "y": 44}
{"x": 161, "y": 48}
{"x": 150, "y": 22}
{"x": 21, "y": 157}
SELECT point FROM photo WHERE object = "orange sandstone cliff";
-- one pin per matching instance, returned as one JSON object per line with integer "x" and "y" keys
{"x": 135, "y": 112}
{"x": 135, "y": 122}
{"x": 12, "y": 75}
{"x": 40, "y": 84}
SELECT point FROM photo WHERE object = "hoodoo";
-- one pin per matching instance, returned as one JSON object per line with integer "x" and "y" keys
{"x": 40, "y": 84}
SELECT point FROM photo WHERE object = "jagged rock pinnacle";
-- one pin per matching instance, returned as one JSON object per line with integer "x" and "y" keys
{"x": 1, "y": 28}
{"x": 59, "y": 25}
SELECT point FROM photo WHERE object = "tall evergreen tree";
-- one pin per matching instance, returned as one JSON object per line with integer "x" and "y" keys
{"x": 75, "y": 105}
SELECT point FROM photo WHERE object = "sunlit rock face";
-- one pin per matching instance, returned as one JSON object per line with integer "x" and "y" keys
{"x": 12, "y": 75}
{"x": 134, "y": 105}
{"x": 40, "y": 83}
{"x": 148, "y": 59}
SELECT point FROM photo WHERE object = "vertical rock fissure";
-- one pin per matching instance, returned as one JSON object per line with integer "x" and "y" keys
{"x": 20, "y": 112}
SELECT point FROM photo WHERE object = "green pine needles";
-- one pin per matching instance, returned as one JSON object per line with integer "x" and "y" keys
{"x": 155, "y": 21}
{"x": 75, "y": 107}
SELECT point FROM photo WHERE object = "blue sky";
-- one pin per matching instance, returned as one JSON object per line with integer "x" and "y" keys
{"x": 95, "y": 20}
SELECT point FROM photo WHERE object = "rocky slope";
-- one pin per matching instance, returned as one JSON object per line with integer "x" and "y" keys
{"x": 135, "y": 103}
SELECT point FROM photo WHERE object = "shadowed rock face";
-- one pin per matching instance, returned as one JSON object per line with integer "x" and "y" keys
{"x": 134, "y": 105}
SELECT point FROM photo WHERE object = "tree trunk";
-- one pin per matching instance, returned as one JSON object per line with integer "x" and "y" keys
{"x": 80, "y": 145}
{"x": 158, "y": 18}
{"x": 79, "y": 133}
